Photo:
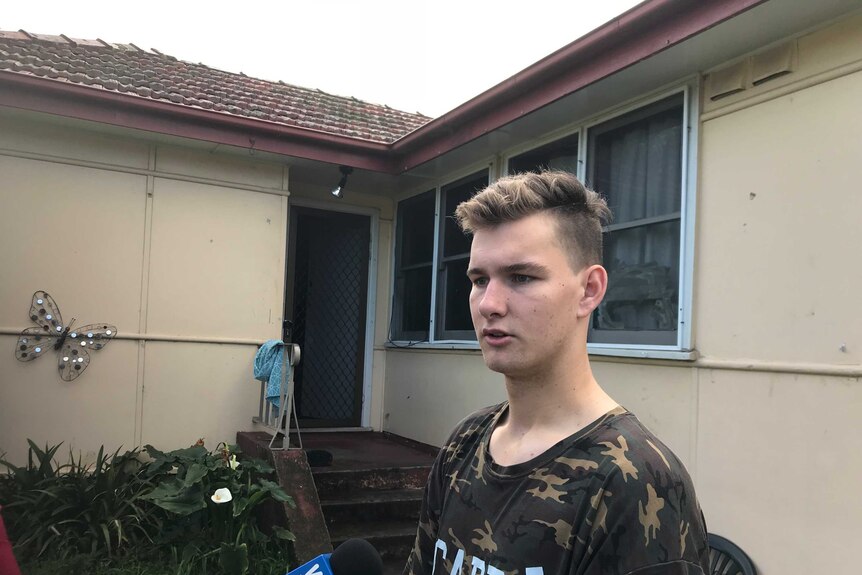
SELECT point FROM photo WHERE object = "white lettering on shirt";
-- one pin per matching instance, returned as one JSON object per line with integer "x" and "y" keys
{"x": 478, "y": 566}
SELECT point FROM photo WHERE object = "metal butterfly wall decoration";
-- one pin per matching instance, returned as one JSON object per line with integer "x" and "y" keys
{"x": 73, "y": 345}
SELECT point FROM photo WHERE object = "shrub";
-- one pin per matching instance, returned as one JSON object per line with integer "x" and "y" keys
{"x": 210, "y": 499}
{"x": 190, "y": 509}
{"x": 64, "y": 510}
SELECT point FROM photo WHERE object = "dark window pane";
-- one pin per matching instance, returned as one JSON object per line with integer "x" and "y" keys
{"x": 636, "y": 161}
{"x": 416, "y": 230}
{"x": 561, "y": 154}
{"x": 456, "y": 307}
{"x": 455, "y": 242}
{"x": 643, "y": 279}
{"x": 453, "y": 287}
{"x": 413, "y": 293}
{"x": 413, "y": 260}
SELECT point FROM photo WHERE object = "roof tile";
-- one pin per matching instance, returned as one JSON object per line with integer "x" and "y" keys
{"x": 125, "y": 68}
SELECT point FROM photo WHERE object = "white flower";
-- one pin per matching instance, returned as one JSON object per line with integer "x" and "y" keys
{"x": 233, "y": 462}
{"x": 222, "y": 495}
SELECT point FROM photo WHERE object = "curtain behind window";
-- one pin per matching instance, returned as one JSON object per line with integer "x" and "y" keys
{"x": 635, "y": 161}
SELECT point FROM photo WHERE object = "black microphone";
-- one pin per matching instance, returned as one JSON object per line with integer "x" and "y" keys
{"x": 353, "y": 557}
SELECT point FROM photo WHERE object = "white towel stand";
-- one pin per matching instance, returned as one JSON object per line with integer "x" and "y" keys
{"x": 286, "y": 399}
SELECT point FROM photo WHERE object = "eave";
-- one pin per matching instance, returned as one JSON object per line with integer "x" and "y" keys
{"x": 644, "y": 31}
{"x": 636, "y": 35}
{"x": 106, "y": 107}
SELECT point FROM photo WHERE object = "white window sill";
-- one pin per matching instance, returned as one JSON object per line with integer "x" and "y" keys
{"x": 643, "y": 352}
{"x": 637, "y": 353}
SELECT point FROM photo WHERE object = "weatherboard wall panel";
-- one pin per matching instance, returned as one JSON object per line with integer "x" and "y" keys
{"x": 219, "y": 166}
{"x": 779, "y": 467}
{"x": 96, "y": 409}
{"x": 67, "y": 140}
{"x": 74, "y": 222}
{"x": 216, "y": 262}
{"x": 777, "y": 275}
{"x": 197, "y": 391}
{"x": 76, "y": 233}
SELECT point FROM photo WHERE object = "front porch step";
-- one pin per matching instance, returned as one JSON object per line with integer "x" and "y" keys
{"x": 372, "y": 490}
{"x": 393, "y": 539}
{"x": 373, "y": 506}
{"x": 337, "y": 483}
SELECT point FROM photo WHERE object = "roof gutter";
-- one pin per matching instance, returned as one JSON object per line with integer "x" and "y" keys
{"x": 107, "y": 107}
{"x": 643, "y": 31}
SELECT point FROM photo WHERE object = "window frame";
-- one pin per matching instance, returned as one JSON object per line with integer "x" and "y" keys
{"x": 396, "y": 313}
{"x": 642, "y": 339}
{"x": 440, "y": 259}
{"x": 432, "y": 341}
{"x": 682, "y": 349}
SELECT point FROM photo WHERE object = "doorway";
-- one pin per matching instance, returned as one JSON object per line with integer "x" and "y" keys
{"x": 327, "y": 301}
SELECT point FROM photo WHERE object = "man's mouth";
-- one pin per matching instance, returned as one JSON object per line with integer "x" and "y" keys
{"x": 494, "y": 335}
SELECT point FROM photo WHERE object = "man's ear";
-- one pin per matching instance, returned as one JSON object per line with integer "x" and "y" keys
{"x": 595, "y": 280}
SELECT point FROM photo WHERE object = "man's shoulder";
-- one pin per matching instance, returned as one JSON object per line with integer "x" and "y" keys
{"x": 626, "y": 443}
{"x": 475, "y": 424}
{"x": 647, "y": 499}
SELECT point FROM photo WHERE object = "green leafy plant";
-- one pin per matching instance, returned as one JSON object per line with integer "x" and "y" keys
{"x": 210, "y": 499}
{"x": 63, "y": 510}
{"x": 186, "y": 512}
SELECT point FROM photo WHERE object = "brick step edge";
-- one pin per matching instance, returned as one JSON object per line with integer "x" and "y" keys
{"x": 374, "y": 496}
{"x": 386, "y": 531}
{"x": 328, "y": 472}
{"x": 336, "y": 484}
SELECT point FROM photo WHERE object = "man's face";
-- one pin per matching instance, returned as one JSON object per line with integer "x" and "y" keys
{"x": 525, "y": 297}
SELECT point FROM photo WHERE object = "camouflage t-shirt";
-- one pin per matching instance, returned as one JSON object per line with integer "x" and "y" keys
{"x": 610, "y": 499}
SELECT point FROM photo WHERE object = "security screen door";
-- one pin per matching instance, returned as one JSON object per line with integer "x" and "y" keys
{"x": 327, "y": 296}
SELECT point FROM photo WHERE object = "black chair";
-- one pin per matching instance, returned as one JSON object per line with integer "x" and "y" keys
{"x": 725, "y": 558}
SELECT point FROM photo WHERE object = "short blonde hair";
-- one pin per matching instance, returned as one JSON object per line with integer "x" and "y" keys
{"x": 579, "y": 211}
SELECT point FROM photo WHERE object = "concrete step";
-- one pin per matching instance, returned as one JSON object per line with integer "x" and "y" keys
{"x": 393, "y": 539}
{"x": 393, "y": 567}
{"x": 373, "y": 506}
{"x": 371, "y": 489}
{"x": 338, "y": 483}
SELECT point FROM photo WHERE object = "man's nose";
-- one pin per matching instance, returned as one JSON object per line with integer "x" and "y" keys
{"x": 494, "y": 299}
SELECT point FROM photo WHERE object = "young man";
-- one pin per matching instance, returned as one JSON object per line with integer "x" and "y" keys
{"x": 559, "y": 479}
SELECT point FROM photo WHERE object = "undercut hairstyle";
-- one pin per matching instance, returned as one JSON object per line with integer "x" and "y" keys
{"x": 578, "y": 211}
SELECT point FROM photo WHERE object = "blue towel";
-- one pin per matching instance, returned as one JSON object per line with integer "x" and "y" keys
{"x": 267, "y": 368}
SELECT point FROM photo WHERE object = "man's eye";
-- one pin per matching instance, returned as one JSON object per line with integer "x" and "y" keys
{"x": 521, "y": 279}
{"x": 480, "y": 281}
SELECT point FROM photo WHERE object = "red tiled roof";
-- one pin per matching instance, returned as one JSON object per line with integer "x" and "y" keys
{"x": 127, "y": 69}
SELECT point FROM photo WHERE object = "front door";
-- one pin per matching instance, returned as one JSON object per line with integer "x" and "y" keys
{"x": 327, "y": 297}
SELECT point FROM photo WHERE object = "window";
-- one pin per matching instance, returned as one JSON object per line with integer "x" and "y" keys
{"x": 431, "y": 257}
{"x": 414, "y": 260}
{"x": 561, "y": 154}
{"x": 636, "y": 162}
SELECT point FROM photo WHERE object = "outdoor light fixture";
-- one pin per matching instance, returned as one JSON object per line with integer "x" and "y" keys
{"x": 338, "y": 190}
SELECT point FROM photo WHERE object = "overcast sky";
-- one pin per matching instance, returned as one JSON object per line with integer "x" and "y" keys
{"x": 426, "y": 57}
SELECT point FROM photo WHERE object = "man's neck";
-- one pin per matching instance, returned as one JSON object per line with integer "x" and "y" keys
{"x": 545, "y": 409}
{"x": 566, "y": 399}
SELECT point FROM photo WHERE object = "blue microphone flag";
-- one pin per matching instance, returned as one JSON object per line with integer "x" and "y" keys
{"x": 317, "y": 566}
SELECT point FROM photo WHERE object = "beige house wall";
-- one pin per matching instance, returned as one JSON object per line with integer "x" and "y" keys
{"x": 182, "y": 249}
{"x": 767, "y": 418}
{"x": 777, "y": 284}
